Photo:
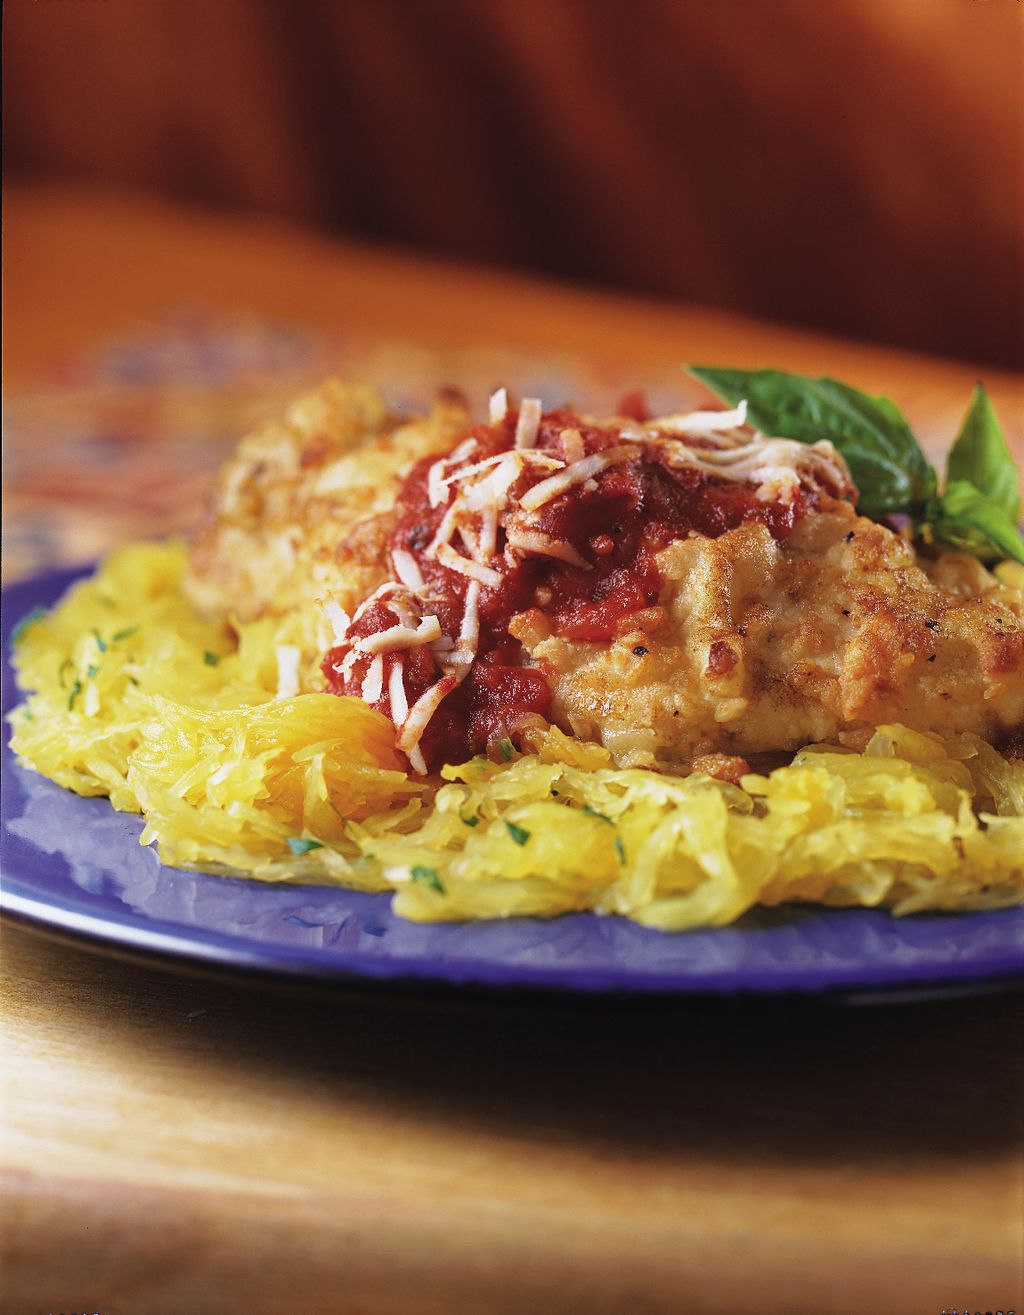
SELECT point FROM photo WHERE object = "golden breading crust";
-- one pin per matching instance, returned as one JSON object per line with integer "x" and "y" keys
{"x": 293, "y": 515}
{"x": 758, "y": 645}
{"x": 754, "y": 644}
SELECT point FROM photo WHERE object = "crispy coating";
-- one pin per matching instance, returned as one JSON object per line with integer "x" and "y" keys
{"x": 754, "y": 645}
{"x": 300, "y": 512}
{"x": 760, "y": 646}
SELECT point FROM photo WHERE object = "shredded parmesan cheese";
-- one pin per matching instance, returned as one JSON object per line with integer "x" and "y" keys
{"x": 344, "y": 667}
{"x": 577, "y": 473}
{"x": 436, "y": 488}
{"x": 388, "y": 587}
{"x": 528, "y": 423}
{"x": 407, "y": 569}
{"x": 387, "y": 641}
{"x": 420, "y": 714}
{"x": 373, "y": 681}
{"x": 772, "y": 463}
{"x": 448, "y": 557}
{"x": 488, "y": 542}
{"x": 498, "y": 406}
{"x": 469, "y": 632}
{"x": 287, "y": 671}
{"x": 697, "y": 424}
{"x": 444, "y": 531}
{"x": 478, "y": 467}
{"x": 482, "y": 517}
{"x": 396, "y": 693}
{"x": 572, "y": 445}
{"x": 339, "y": 619}
{"x": 536, "y": 542}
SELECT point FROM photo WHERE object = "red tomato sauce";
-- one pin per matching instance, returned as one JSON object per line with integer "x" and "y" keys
{"x": 617, "y": 522}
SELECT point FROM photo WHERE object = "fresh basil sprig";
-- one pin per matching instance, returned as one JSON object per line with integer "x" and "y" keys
{"x": 981, "y": 457}
{"x": 982, "y": 486}
{"x": 979, "y": 508}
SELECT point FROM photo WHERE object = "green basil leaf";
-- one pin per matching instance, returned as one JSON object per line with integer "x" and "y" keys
{"x": 885, "y": 460}
{"x": 974, "y": 523}
{"x": 981, "y": 457}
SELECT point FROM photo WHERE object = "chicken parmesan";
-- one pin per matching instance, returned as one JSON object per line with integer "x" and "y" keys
{"x": 679, "y": 590}
{"x": 543, "y": 661}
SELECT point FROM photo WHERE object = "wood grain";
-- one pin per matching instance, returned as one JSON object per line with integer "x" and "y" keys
{"x": 178, "y": 1144}
{"x": 175, "y": 1144}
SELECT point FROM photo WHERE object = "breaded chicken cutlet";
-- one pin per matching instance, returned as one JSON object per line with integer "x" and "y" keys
{"x": 682, "y": 590}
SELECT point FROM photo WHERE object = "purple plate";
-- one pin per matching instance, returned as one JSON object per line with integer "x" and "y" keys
{"x": 74, "y": 866}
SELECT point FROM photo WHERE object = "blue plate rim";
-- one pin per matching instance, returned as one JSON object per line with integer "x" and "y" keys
{"x": 134, "y": 932}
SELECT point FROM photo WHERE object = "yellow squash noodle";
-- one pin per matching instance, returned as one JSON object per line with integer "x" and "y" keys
{"x": 132, "y": 695}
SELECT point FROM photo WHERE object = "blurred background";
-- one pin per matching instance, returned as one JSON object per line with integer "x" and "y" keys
{"x": 210, "y": 205}
{"x": 855, "y": 166}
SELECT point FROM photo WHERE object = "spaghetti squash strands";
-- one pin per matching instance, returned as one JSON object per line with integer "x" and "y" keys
{"x": 186, "y": 727}
{"x": 134, "y": 696}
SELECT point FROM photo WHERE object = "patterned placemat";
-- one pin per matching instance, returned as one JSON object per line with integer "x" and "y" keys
{"x": 122, "y": 441}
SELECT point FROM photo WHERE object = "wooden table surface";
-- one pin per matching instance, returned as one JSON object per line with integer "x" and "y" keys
{"x": 174, "y": 1143}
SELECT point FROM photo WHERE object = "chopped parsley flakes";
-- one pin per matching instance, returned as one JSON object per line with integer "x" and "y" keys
{"x": 211, "y": 659}
{"x": 429, "y": 876}
{"x": 518, "y": 833}
{"x": 300, "y": 847}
